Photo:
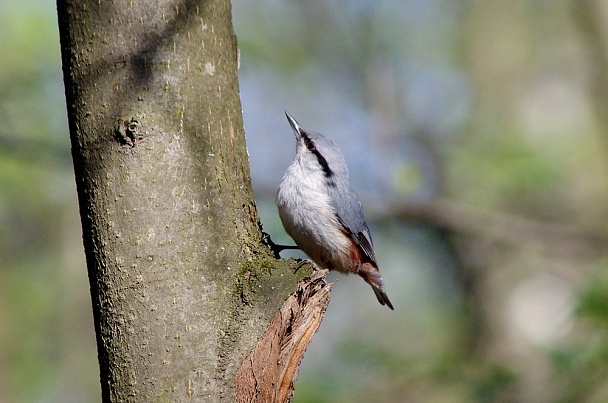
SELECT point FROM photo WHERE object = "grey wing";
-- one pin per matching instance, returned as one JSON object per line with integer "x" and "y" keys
{"x": 350, "y": 214}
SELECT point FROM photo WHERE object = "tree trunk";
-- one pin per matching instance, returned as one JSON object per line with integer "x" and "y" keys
{"x": 182, "y": 287}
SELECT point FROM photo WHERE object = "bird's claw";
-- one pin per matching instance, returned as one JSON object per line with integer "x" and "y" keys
{"x": 315, "y": 267}
{"x": 275, "y": 248}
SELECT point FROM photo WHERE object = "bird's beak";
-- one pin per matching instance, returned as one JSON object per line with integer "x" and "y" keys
{"x": 294, "y": 125}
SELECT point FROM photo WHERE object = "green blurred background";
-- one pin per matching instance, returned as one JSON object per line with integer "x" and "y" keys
{"x": 477, "y": 137}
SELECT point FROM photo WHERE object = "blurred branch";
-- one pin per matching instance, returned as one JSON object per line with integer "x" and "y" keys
{"x": 497, "y": 227}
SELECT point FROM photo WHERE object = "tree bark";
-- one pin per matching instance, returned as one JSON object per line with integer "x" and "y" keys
{"x": 182, "y": 287}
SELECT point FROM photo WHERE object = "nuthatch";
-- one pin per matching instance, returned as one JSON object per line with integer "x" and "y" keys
{"x": 322, "y": 213}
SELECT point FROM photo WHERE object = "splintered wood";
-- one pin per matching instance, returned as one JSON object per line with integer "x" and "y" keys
{"x": 269, "y": 372}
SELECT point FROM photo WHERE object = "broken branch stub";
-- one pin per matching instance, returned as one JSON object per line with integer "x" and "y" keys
{"x": 269, "y": 372}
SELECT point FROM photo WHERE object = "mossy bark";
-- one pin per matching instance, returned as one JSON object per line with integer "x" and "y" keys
{"x": 181, "y": 286}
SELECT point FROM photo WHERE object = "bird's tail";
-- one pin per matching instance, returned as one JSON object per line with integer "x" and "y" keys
{"x": 371, "y": 275}
{"x": 382, "y": 297}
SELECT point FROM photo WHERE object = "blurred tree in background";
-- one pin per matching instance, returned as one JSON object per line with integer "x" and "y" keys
{"x": 476, "y": 137}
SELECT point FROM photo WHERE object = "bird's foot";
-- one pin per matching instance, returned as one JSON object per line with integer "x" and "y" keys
{"x": 275, "y": 248}
{"x": 315, "y": 267}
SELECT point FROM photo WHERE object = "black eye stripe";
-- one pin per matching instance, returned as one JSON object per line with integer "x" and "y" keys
{"x": 322, "y": 161}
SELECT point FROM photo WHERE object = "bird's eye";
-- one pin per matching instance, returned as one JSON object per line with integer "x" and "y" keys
{"x": 308, "y": 142}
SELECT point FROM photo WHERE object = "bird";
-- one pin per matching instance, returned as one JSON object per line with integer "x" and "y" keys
{"x": 323, "y": 214}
